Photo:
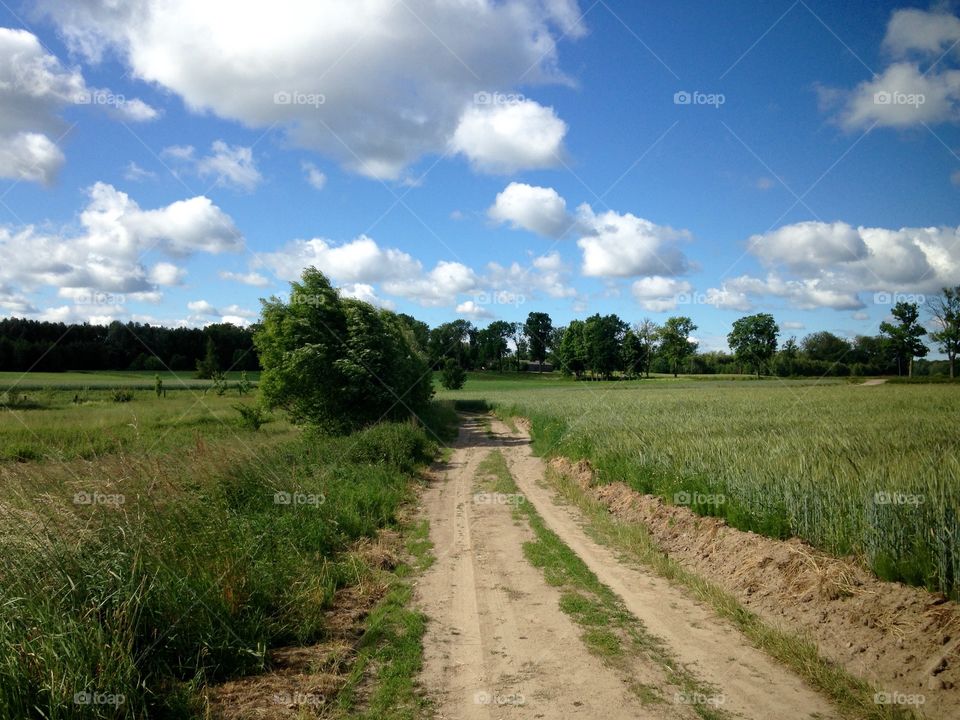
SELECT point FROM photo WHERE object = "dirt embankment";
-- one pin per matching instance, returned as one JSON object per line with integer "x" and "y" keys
{"x": 904, "y": 639}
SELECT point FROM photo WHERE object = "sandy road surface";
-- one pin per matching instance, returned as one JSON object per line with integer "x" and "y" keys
{"x": 498, "y": 645}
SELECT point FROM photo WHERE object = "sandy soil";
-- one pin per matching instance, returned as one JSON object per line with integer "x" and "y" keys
{"x": 498, "y": 645}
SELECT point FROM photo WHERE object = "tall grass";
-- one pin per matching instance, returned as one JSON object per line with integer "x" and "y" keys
{"x": 868, "y": 471}
{"x": 181, "y": 570}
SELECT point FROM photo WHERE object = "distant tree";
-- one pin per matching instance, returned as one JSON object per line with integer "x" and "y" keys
{"x": 754, "y": 340}
{"x": 786, "y": 357}
{"x": 903, "y": 337}
{"x": 675, "y": 344}
{"x": 452, "y": 376}
{"x": 648, "y": 333}
{"x": 632, "y": 354}
{"x": 210, "y": 365}
{"x": 538, "y": 330}
{"x": 495, "y": 339}
{"x": 450, "y": 340}
{"x": 603, "y": 335}
{"x": 338, "y": 363}
{"x": 571, "y": 350}
{"x": 154, "y": 363}
{"x": 826, "y": 346}
{"x": 945, "y": 310}
{"x": 871, "y": 355}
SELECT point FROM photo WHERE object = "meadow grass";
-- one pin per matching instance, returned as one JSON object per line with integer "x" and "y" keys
{"x": 868, "y": 471}
{"x": 147, "y": 575}
{"x": 64, "y": 424}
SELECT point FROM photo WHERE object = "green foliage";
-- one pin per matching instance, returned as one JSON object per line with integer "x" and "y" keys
{"x": 571, "y": 350}
{"x": 399, "y": 445}
{"x": 538, "y": 330}
{"x": 219, "y": 382}
{"x": 946, "y": 314}
{"x": 452, "y": 376}
{"x": 158, "y": 385}
{"x": 602, "y": 336}
{"x": 210, "y": 365}
{"x": 244, "y": 386}
{"x": 251, "y": 416}
{"x": 675, "y": 344}
{"x": 754, "y": 340}
{"x": 903, "y": 337}
{"x": 210, "y": 561}
{"x": 338, "y": 363}
{"x": 122, "y": 395}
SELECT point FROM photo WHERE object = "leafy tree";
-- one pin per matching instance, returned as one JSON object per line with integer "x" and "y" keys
{"x": 632, "y": 354}
{"x": 754, "y": 340}
{"x": 826, "y": 346}
{"x": 571, "y": 350}
{"x": 493, "y": 341}
{"x": 450, "y": 340}
{"x": 675, "y": 343}
{"x": 452, "y": 377}
{"x": 904, "y": 336}
{"x": 946, "y": 314}
{"x": 787, "y": 357}
{"x": 602, "y": 337}
{"x": 648, "y": 333}
{"x": 538, "y": 330}
{"x": 337, "y": 363}
{"x": 419, "y": 329}
{"x": 209, "y": 366}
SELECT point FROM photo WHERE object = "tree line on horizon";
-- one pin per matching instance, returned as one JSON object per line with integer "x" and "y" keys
{"x": 606, "y": 346}
{"x": 43, "y": 346}
{"x": 597, "y": 347}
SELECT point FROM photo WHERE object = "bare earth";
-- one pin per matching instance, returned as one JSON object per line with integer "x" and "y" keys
{"x": 499, "y": 646}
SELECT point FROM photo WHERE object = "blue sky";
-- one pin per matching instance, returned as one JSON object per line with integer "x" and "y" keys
{"x": 481, "y": 160}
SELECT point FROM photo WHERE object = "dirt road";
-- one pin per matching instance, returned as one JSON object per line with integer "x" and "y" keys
{"x": 499, "y": 646}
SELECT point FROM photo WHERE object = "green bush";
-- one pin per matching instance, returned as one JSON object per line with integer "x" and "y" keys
{"x": 399, "y": 445}
{"x": 337, "y": 363}
{"x": 252, "y": 417}
{"x": 452, "y": 376}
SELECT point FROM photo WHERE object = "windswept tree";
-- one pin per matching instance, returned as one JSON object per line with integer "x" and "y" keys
{"x": 538, "y": 330}
{"x": 338, "y": 363}
{"x": 903, "y": 337}
{"x": 675, "y": 343}
{"x": 754, "y": 340}
{"x": 945, "y": 310}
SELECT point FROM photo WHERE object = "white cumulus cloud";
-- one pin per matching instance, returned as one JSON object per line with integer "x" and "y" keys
{"x": 34, "y": 88}
{"x": 540, "y": 210}
{"x": 504, "y": 139}
{"x": 375, "y": 85}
